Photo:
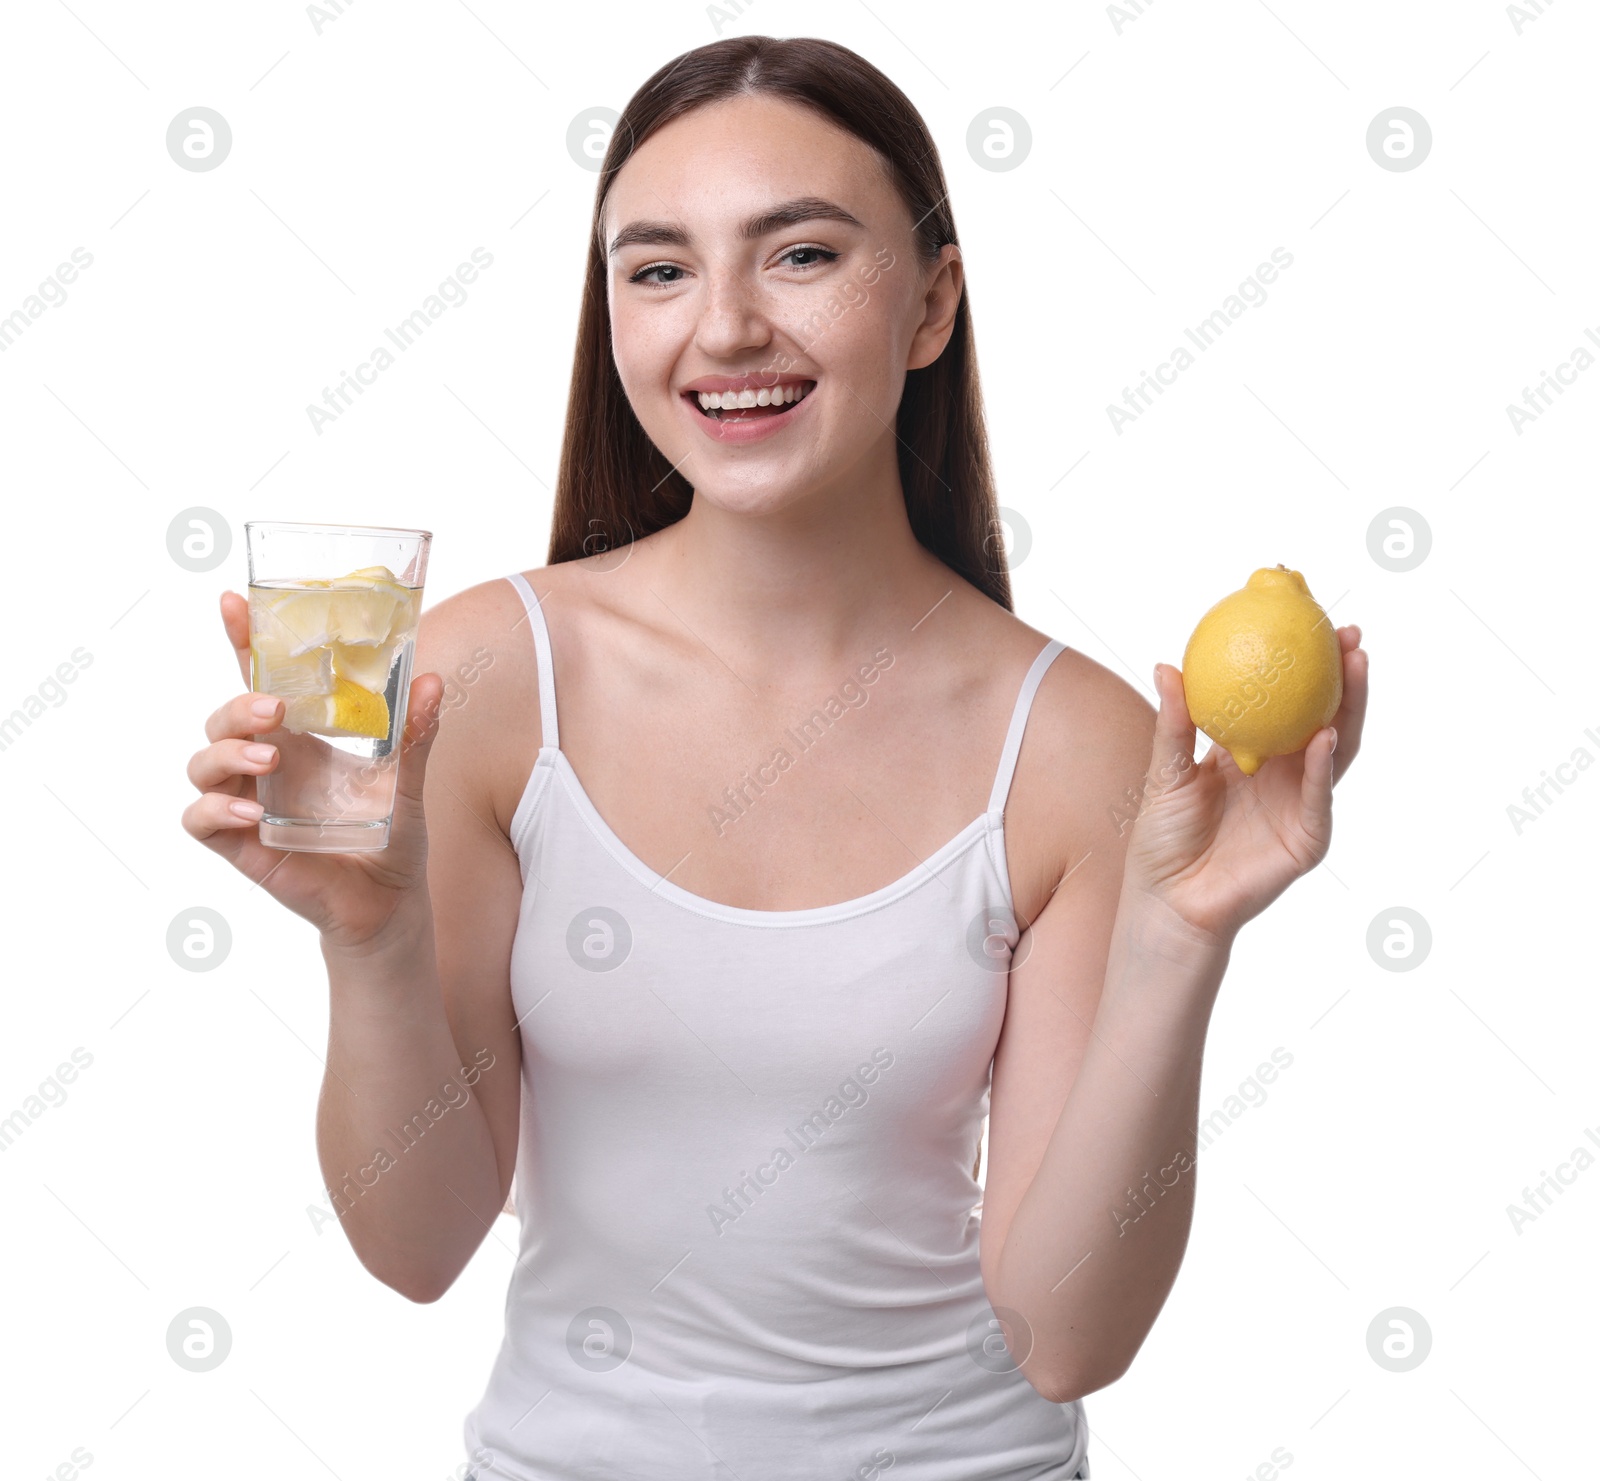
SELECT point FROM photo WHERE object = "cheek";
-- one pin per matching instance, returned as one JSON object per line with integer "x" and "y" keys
{"x": 866, "y": 342}
{"x": 647, "y": 338}
{"x": 640, "y": 347}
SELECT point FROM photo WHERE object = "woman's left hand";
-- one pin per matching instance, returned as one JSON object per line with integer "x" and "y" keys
{"x": 1215, "y": 846}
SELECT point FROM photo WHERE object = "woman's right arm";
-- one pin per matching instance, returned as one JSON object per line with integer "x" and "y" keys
{"x": 418, "y": 1116}
{"x": 424, "y": 1058}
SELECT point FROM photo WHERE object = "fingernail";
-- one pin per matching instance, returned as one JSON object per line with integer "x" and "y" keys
{"x": 250, "y": 810}
{"x": 264, "y": 707}
{"x": 1335, "y": 746}
{"x": 1155, "y": 674}
{"x": 258, "y": 753}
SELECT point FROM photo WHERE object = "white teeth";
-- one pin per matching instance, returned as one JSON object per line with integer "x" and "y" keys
{"x": 774, "y": 396}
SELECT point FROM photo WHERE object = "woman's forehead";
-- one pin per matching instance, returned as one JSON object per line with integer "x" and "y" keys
{"x": 717, "y": 166}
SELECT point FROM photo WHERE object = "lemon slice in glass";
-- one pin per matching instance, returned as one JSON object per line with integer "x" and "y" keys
{"x": 274, "y": 672}
{"x": 294, "y": 620}
{"x": 368, "y": 667}
{"x": 349, "y": 711}
{"x": 368, "y": 608}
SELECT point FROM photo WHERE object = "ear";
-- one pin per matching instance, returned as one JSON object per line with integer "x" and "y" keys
{"x": 940, "y": 300}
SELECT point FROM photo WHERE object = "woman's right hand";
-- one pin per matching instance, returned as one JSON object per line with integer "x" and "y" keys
{"x": 350, "y": 898}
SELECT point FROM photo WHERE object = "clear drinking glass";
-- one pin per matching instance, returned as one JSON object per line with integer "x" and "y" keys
{"x": 333, "y": 621}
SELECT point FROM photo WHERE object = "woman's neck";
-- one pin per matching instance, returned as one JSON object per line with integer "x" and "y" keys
{"x": 823, "y": 577}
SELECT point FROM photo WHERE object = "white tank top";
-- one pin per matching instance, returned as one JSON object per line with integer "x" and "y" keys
{"x": 749, "y": 1242}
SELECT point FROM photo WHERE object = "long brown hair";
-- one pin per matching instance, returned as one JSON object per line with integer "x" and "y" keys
{"x": 615, "y": 486}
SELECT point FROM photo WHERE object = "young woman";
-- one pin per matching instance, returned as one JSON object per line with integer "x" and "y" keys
{"x": 766, "y": 851}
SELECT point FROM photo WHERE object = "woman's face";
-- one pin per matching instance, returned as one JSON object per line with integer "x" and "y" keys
{"x": 825, "y": 297}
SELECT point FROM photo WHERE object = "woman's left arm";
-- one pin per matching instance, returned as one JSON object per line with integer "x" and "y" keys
{"x": 1095, "y": 1103}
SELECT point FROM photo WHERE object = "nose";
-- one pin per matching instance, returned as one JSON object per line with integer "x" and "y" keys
{"x": 733, "y": 317}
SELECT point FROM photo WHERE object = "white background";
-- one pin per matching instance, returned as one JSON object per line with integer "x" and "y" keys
{"x": 1170, "y": 154}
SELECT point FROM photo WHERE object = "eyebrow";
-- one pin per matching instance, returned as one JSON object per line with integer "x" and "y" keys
{"x": 788, "y": 213}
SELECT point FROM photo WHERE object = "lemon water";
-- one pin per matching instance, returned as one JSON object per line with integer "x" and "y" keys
{"x": 338, "y": 654}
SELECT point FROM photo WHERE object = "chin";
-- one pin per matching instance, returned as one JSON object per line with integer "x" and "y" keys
{"x": 736, "y": 497}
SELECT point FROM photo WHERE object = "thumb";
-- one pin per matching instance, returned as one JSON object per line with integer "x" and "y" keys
{"x": 422, "y": 728}
{"x": 1316, "y": 789}
{"x": 1172, "y": 748}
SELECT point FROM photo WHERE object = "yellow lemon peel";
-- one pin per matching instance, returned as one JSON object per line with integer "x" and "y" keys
{"x": 1263, "y": 671}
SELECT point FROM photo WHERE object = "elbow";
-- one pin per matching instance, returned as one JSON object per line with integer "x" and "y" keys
{"x": 425, "y": 1286}
{"x": 1069, "y": 1388}
{"x": 1054, "y": 1371}
{"x": 1063, "y": 1376}
{"x": 421, "y": 1286}
{"x": 423, "y": 1292}
{"x": 1060, "y": 1393}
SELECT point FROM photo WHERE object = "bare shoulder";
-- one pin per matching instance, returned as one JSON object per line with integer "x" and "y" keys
{"x": 1093, "y": 724}
{"x": 473, "y": 633}
{"x": 1076, "y": 787}
{"x": 479, "y": 642}
{"x": 1088, "y": 723}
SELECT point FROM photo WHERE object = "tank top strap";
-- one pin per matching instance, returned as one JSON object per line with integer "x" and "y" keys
{"x": 1019, "y": 723}
{"x": 547, "y": 675}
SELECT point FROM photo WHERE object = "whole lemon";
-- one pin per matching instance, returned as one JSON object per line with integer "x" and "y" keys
{"x": 1263, "y": 671}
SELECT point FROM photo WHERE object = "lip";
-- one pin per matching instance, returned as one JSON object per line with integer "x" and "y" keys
{"x": 762, "y": 380}
{"x": 733, "y": 430}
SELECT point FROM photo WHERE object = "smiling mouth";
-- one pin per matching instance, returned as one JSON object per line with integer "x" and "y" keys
{"x": 736, "y": 413}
